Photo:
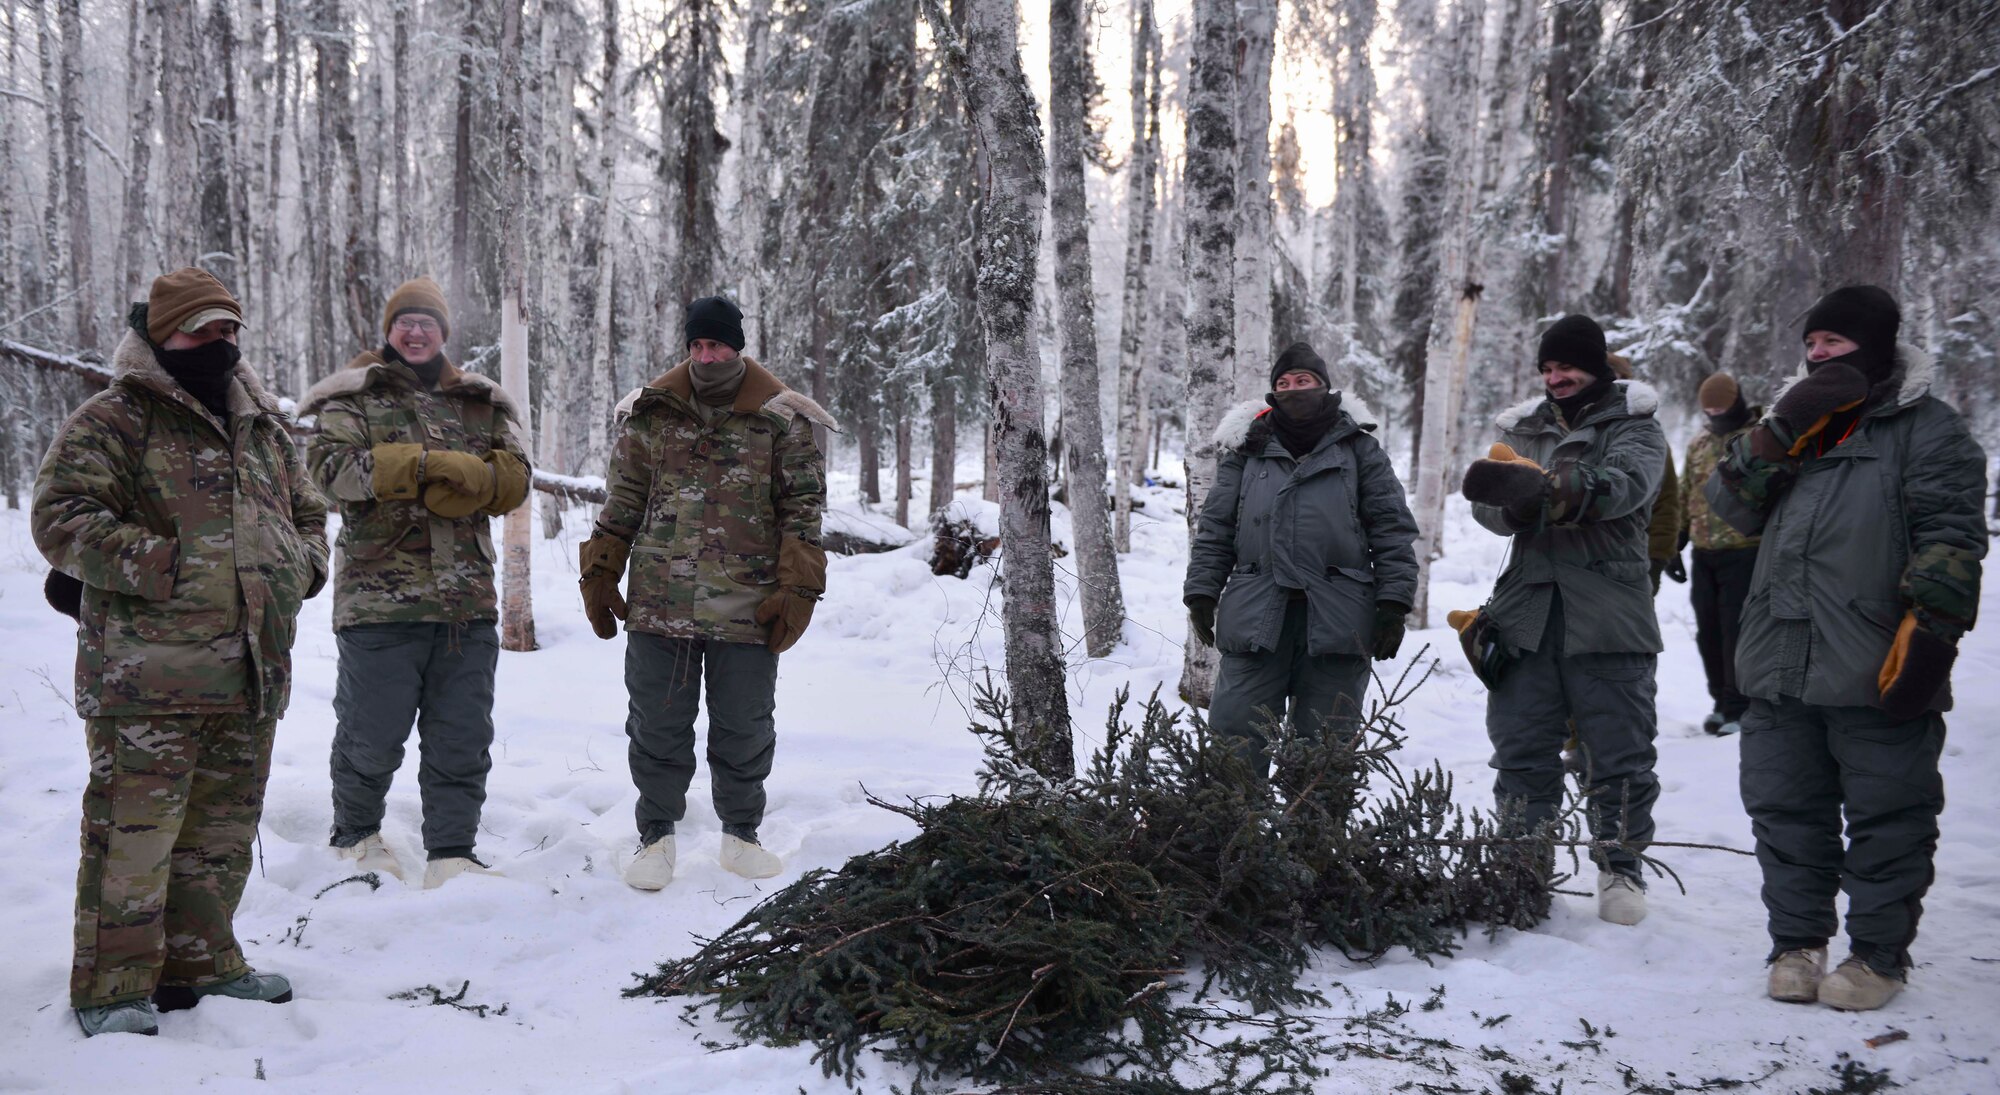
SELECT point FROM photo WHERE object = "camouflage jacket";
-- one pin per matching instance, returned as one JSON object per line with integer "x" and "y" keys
{"x": 1887, "y": 521}
{"x": 195, "y": 545}
{"x": 704, "y": 501}
{"x": 1596, "y": 556}
{"x": 1705, "y": 530}
{"x": 399, "y": 562}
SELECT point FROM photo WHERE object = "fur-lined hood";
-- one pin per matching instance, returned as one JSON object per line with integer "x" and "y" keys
{"x": 760, "y": 391}
{"x": 1234, "y": 430}
{"x": 369, "y": 368}
{"x": 1914, "y": 374}
{"x": 133, "y": 364}
{"x": 1641, "y": 400}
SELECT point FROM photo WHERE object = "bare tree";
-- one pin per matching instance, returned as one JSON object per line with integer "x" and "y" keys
{"x": 1142, "y": 169}
{"x": 596, "y": 233}
{"x": 1209, "y": 204}
{"x": 988, "y": 65}
{"x": 1083, "y": 415}
{"x": 1451, "y": 329}
{"x": 517, "y": 610}
{"x": 76, "y": 181}
{"x": 1256, "y": 34}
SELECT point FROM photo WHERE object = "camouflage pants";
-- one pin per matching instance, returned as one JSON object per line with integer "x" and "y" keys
{"x": 169, "y": 816}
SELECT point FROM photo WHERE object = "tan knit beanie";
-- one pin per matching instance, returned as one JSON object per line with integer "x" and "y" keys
{"x": 187, "y": 294}
{"x": 420, "y": 295}
{"x": 1718, "y": 392}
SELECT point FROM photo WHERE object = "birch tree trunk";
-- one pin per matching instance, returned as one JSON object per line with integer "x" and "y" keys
{"x": 1083, "y": 414}
{"x": 988, "y": 64}
{"x": 1210, "y": 208}
{"x": 517, "y": 611}
{"x": 1141, "y": 172}
{"x": 1255, "y": 209}
{"x": 1450, "y": 351}
{"x": 10, "y": 286}
{"x": 76, "y": 181}
{"x": 215, "y": 138}
{"x": 55, "y": 273}
{"x": 399, "y": 154}
{"x": 180, "y": 88}
{"x": 597, "y": 228}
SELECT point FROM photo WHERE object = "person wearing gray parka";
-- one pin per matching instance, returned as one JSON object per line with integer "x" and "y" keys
{"x": 1573, "y": 483}
{"x": 1302, "y": 565}
{"x": 1868, "y": 492}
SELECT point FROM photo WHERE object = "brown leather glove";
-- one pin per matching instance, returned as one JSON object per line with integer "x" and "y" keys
{"x": 396, "y": 471}
{"x": 601, "y": 561}
{"x": 1918, "y": 665}
{"x": 460, "y": 484}
{"x": 510, "y": 482}
{"x": 801, "y": 580}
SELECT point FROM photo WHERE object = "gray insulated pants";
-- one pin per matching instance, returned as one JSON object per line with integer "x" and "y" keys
{"x": 1802, "y": 766}
{"x": 441, "y": 677}
{"x": 663, "y": 678}
{"x": 1609, "y": 699}
{"x": 1254, "y": 688}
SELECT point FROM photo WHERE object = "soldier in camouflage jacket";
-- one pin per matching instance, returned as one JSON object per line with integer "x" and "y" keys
{"x": 176, "y": 499}
{"x": 716, "y": 488}
{"x": 420, "y": 456}
{"x": 1868, "y": 492}
{"x": 1723, "y": 557}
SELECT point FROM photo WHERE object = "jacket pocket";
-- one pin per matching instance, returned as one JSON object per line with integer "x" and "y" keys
{"x": 173, "y": 658}
{"x": 1885, "y": 615}
{"x": 1341, "y": 612}
{"x": 1245, "y": 616}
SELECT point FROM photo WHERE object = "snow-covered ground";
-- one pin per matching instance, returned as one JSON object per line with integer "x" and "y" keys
{"x": 874, "y": 698}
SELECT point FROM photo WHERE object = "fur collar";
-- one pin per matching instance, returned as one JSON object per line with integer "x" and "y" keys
{"x": 1911, "y": 381}
{"x": 368, "y": 369}
{"x": 134, "y": 364}
{"x": 1641, "y": 399}
{"x": 1234, "y": 429}
{"x": 761, "y": 391}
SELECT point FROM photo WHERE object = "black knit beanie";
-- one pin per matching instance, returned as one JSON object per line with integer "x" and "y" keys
{"x": 1576, "y": 341}
{"x": 1298, "y": 357}
{"x": 716, "y": 319}
{"x": 1869, "y": 317}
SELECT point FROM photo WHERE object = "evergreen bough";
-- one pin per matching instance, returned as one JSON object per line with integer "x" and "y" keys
{"x": 1033, "y": 928}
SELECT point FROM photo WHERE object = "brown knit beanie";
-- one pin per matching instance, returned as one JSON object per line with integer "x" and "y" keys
{"x": 186, "y": 294}
{"x": 420, "y": 295}
{"x": 1718, "y": 393}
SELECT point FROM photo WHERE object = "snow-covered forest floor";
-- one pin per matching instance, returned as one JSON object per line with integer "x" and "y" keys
{"x": 875, "y": 697}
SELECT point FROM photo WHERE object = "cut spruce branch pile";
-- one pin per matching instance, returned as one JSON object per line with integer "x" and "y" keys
{"x": 1037, "y": 931}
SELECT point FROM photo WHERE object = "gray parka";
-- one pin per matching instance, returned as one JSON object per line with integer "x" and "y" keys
{"x": 1888, "y": 520}
{"x": 1334, "y": 524}
{"x": 1595, "y": 557}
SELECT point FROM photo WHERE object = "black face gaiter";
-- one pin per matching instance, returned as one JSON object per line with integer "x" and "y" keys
{"x": 1300, "y": 417}
{"x": 427, "y": 372}
{"x": 204, "y": 371}
{"x": 1876, "y": 366}
{"x": 1727, "y": 422}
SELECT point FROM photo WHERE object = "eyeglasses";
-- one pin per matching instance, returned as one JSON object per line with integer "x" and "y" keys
{"x": 410, "y": 325}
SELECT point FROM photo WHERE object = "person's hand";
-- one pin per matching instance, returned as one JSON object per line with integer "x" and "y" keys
{"x": 1508, "y": 480}
{"x": 1389, "y": 628}
{"x": 1201, "y": 613}
{"x": 1677, "y": 570}
{"x": 1917, "y": 668}
{"x": 601, "y": 559}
